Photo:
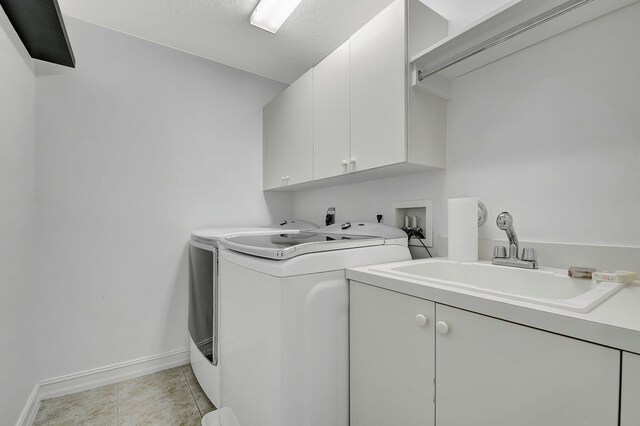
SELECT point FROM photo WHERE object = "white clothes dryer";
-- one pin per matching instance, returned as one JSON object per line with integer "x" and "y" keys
{"x": 203, "y": 300}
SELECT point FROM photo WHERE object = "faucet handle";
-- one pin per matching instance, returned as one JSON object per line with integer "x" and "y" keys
{"x": 513, "y": 251}
{"x": 499, "y": 252}
{"x": 529, "y": 254}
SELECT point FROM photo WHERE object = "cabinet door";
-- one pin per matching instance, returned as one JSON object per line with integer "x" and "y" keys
{"x": 495, "y": 373}
{"x": 391, "y": 358}
{"x": 378, "y": 90}
{"x": 273, "y": 141}
{"x": 288, "y": 135}
{"x": 331, "y": 114}
{"x": 630, "y": 404}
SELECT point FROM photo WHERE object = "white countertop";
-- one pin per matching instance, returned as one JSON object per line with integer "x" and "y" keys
{"x": 614, "y": 323}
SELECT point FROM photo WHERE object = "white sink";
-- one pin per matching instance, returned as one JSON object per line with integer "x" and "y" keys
{"x": 548, "y": 287}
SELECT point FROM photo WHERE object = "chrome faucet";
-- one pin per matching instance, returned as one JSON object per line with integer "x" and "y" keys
{"x": 500, "y": 257}
{"x": 505, "y": 222}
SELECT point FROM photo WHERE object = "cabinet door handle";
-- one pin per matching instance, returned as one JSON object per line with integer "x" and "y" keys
{"x": 421, "y": 320}
{"x": 442, "y": 328}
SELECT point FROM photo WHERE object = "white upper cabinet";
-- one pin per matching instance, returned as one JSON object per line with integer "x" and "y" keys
{"x": 357, "y": 111}
{"x": 288, "y": 135}
{"x": 331, "y": 150}
{"x": 378, "y": 90}
{"x": 273, "y": 149}
{"x": 630, "y": 403}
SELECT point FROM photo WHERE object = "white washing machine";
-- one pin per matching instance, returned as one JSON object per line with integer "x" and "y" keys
{"x": 284, "y": 321}
{"x": 203, "y": 300}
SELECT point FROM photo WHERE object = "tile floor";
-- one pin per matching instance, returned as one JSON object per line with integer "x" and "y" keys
{"x": 171, "y": 397}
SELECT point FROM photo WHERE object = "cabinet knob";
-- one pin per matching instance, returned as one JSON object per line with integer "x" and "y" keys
{"x": 442, "y": 327}
{"x": 352, "y": 164}
{"x": 421, "y": 320}
{"x": 344, "y": 163}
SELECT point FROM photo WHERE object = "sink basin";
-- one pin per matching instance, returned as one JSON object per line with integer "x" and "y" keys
{"x": 548, "y": 287}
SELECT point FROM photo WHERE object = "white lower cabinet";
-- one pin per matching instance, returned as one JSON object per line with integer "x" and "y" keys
{"x": 630, "y": 404}
{"x": 487, "y": 372}
{"x": 391, "y": 352}
{"x": 492, "y": 372}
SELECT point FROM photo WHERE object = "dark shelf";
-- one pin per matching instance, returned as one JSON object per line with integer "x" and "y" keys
{"x": 41, "y": 28}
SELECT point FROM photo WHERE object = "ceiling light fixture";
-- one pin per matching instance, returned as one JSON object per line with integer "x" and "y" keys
{"x": 271, "y": 14}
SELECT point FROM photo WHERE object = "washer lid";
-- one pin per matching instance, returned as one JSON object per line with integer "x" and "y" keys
{"x": 286, "y": 246}
{"x": 220, "y": 233}
{"x": 288, "y": 225}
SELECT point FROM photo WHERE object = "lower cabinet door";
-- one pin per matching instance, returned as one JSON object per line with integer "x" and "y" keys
{"x": 391, "y": 358}
{"x": 630, "y": 403}
{"x": 495, "y": 373}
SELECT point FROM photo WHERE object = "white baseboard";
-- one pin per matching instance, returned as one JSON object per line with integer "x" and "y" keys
{"x": 90, "y": 379}
{"x": 30, "y": 408}
{"x": 96, "y": 377}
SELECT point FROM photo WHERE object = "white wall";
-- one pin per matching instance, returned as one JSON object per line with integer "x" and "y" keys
{"x": 136, "y": 147}
{"x": 551, "y": 134}
{"x": 17, "y": 221}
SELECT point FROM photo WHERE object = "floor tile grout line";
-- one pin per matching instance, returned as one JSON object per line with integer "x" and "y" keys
{"x": 191, "y": 390}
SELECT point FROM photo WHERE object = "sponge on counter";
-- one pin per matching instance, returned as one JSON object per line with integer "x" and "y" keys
{"x": 624, "y": 277}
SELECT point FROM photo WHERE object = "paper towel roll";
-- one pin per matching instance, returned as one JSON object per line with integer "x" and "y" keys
{"x": 463, "y": 229}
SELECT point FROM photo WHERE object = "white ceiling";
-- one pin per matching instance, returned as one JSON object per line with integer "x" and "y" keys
{"x": 219, "y": 29}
